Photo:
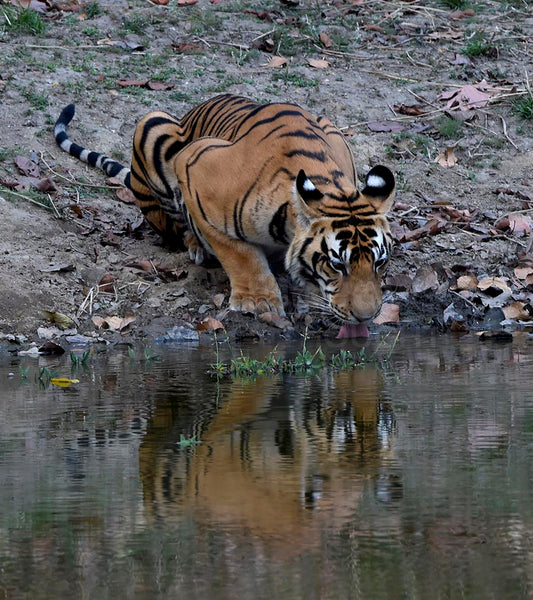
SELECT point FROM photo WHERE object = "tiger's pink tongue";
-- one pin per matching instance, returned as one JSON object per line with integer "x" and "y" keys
{"x": 352, "y": 331}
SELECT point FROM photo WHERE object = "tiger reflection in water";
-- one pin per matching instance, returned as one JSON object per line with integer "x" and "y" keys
{"x": 279, "y": 469}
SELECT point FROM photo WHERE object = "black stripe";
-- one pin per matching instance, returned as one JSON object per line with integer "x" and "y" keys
{"x": 276, "y": 228}
{"x": 320, "y": 156}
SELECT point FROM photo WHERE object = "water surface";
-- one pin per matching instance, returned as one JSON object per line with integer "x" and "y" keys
{"x": 409, "y": 481}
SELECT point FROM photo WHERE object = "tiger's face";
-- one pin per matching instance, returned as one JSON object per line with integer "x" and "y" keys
{"x": 342, "y": 244}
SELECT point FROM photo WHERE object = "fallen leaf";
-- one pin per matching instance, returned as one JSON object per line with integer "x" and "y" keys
{"x": 390, "y": 313}
{"x": 63, "y": 381}
{"x": 318, "y": 63}
{"x": 114, "y": 323}
{"x": 412, "y": 109}
{"x": 461, "y": 14}
{"x": 106, "y": 283}
{"x": 275, "y": 62}
{"x": 518, "y": 311}
{"x": 218, "y": 300}
{"x": 447, "y": 158}
{"x": 186, "y": 2}
{"x": 523, "y": 273}
{"x": 46, "y": 185}
{"x": 125, "y": 195}
{"x": 272, "y": 318}
{"x": 494, "y": 291}
{"x": 466, "y": 282}
{"x": 425, "y": 279}
{"x": 26, "y": 166}
{"x": 59, "y": 318}
{"x": 432, "y": 227}
{"x": 469, "y": 96}
{"x": 519, "y": 223}
{"x": 209, "y": 323}
{"x": 325, "y": 40}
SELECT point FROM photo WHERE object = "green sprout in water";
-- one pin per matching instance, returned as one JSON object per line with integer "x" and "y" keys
{"x": 187, "y": 442}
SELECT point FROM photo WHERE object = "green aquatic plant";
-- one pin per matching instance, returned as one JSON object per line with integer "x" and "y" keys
{"x": 187, "y": 442}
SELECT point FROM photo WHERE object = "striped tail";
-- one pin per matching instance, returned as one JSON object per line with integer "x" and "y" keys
{"x": 110, "y": 167}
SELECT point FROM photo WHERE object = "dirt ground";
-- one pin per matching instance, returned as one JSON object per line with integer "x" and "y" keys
{"x": 438, "y": 91}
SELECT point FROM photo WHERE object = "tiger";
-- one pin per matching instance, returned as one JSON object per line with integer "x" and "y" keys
{"x": 240, "y": 180}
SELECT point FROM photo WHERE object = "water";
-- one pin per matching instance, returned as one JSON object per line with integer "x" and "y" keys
{"x": 415, "y": 481}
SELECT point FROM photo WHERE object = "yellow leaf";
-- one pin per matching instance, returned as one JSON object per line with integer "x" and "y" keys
{"x": 63, "y": 381}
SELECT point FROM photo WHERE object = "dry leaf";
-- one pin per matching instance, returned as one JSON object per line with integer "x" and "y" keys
{"x": 466, "y": 282}
{"x": 523, "y": 273}
{"x": 325, "y": 40}
{"x": 517, "y": 310}
{"x": 425, "y": 279}
{"x": 447, "y": 158}
{"x": 113, "y": 323}
{"x": 390, "y": 313}
{"x": 318, "y": 63}
{"x": 272, "y": 318}
{"x": 126, "y": 195}
{"x": 209, "y": 323}
{"x": 519, "y": 223}
{"x": 59, "y": 318}
{"x": 26, "y": 166}
{"x": 469, "y": 96}
{"x": 186, "y": 2}
{"x": 276, "y": 62}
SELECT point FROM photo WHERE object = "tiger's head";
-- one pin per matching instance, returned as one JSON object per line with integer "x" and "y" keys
{"x": 342, "y": 241}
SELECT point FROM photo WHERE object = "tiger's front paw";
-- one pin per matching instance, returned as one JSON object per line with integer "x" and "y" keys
{"x": 257, "y": 304}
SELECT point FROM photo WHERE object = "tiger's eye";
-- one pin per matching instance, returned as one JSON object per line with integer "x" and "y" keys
{"x": 338, "y": 265}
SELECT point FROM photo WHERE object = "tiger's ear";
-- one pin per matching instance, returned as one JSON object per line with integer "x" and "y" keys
{"x": 306, "y": 194}
{"x": 379, "y": 188}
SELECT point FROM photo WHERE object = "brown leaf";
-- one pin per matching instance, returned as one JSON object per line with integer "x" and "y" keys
{"x": 390, "y": 313}
{"x": 126, "y": 195}
{"x": 519, "y": 224}
{"x": 447, "y": 158}
{"x": 132, "y": 82}
{"x": 272, "y": 318}
{"x": 425, "y": 279}
{"x": 186, "y": 2}
{"x": 106, "y": 283}
{"x": 412, "y": 109}
{"x": 518, "y": 310}
{"x": 161, "y": 2}
{"x": 325, "y": 40}
{"x": 113, "y": 323}
{"x": 318, "y": 63}
{"x": 46, "y": 185}
{"x": 26, "y": 166}
{"x": 469, "y": 96}
{"x": 523, "y": 272}
{"x": 460, "y": 14}
{"x": 209, "y": 323}
{"x": 466, "y": 282}
{"x": 158, "y": 86}
{"x": 494, "y": 291}
{"x": 276, "y": 62}
{"x": 432, "y": 227}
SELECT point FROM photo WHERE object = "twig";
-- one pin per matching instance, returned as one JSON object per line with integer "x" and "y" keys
{"x": 504, "y": 127}
{"x": 28, "y": 198}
